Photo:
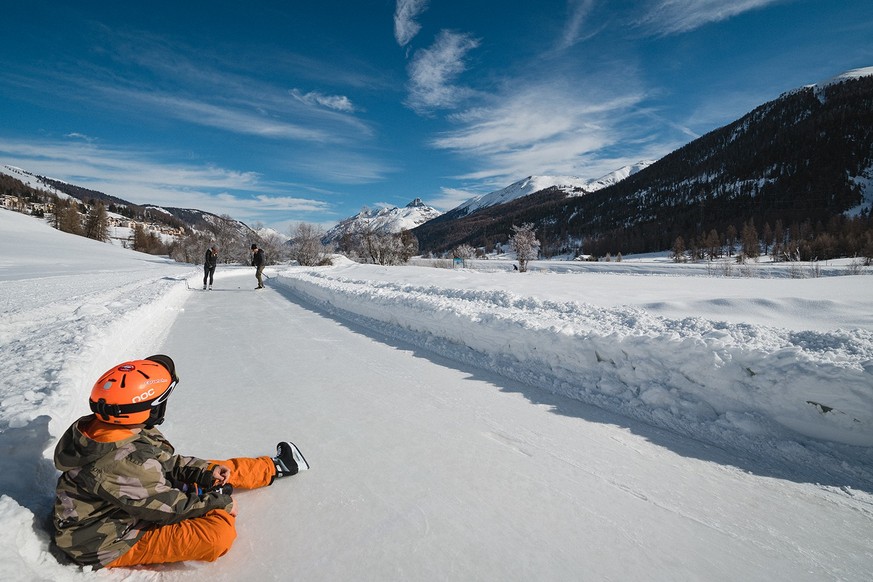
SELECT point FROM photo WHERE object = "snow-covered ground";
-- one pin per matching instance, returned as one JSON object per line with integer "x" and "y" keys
{"x": 448, "y": 414}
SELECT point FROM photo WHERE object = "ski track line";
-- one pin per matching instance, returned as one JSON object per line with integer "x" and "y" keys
{"x": 514, "y": 445}
{"x": 507, "y": 442}
{"x": 674, "y": 510}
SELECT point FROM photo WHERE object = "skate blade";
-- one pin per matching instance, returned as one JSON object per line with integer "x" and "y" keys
{"x": 302, "y": 465}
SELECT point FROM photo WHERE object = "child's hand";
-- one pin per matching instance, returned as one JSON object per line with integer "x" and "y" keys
{"x": 221, "y": 473}
{"x": 233, "y": 510}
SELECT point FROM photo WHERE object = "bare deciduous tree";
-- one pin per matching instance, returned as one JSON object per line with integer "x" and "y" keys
{"x": 191, "y": 249}
{"x": 231, "y": 246}
{"x": 464, "y": 251}
{"x": 66, "y": 216}
{"x": 306, "y": 247}
{"x": 97, "y": 223}
{"x": 275, "y": 249}
{"x": 408, "y": 244}
{"x": 679, "y": 250}
{"x": 751, "y": 248}
{"x": 525, "y": 244}
{"x": 382, "y": 248}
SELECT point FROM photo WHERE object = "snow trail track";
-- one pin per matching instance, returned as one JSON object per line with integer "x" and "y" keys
{"x": 424, "y": 469}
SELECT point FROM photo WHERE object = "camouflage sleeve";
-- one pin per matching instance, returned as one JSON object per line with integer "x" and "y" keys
{"x": 179, "y": 468}
{"x": 142, "y": 490}
{"x": 191, "y": 470}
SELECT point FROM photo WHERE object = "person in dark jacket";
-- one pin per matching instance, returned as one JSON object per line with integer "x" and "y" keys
{"x": 125, "y": 498}
{"x": 258, "y": 261}
{"x": 209, "y": 264}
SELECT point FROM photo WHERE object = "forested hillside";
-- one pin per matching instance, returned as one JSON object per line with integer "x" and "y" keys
{"x": 791, "y": 174}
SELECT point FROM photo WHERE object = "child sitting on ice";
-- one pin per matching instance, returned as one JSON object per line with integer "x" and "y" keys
{"x": 125, "y": 498}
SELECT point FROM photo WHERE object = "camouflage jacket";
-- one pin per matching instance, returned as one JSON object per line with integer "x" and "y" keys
{"x": 111, "y": 493}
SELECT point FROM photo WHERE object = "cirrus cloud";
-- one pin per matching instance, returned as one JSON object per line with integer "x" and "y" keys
{"x": 666, "y": 17}
{"x": 335, "y": 102}
{"x": 547, "y": 128}
{"x": 405, "y": 25}
{"x": 433, "y": 71}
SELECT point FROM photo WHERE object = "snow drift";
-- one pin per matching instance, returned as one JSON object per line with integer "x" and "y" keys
{"x": 680, "y": 373}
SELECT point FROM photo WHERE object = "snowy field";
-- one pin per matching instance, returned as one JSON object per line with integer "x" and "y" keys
{"x": 615, "y": 421}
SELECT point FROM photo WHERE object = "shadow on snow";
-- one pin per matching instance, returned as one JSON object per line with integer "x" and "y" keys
{"x": 802, "y": 460}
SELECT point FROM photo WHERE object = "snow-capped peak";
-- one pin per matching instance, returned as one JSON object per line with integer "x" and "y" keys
{"x": 617, "y": 176}
{"x": 519, "y": 189}
{"x": 532, "y": 184}
{"x": 385, "y": 220}
{"x": 819, "y": 88}
{"x": 847, "y": 76}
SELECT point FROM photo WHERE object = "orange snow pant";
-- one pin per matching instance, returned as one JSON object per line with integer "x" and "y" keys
{"x": 205, "y": 538}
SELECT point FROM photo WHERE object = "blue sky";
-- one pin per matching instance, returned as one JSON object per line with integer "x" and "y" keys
{"x": 284, "y": 112}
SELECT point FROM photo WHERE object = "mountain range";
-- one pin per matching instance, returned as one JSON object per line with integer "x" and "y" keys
{"x": 570, "y": 185}
{"x": 802, "y": 162}
{"x": 416, "y": 213}
{"x": 383, "y": 220}
{"x": 198, "y": 221}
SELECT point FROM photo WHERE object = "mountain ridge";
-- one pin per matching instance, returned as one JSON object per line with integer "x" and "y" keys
{"x": 802, "y": 159}
{"x": 386, "y": 220}
{"x": 572, "y": 185}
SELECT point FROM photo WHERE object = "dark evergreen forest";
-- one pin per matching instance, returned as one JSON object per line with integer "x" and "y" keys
{"x": 785, "y": 172}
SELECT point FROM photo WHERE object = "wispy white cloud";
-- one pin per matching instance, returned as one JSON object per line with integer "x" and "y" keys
{"x": 80, "y": 136}
{"x": 666, "y": 17}
{"x": 259, "y": 110}
{"x": 578, "y": 11}
{"x": 270, "y": 203}
{"x": 341, "y": 166}
{"x": 433, "y": 71}
{"x": 405, "y": 24}
{"x": 240, "y": 120}
{"x": 196, "y": 88}
{"x": 551, "y": 128}
{"x": 238, "y": 70}
{"x": 335, "y": 102}
{"x": 449, "y": 198}
{"x": 555, "y": 125}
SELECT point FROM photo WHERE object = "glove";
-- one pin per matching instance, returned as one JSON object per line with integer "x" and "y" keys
{"x": 226, "y": 489}
{"x": 200, "y": 491}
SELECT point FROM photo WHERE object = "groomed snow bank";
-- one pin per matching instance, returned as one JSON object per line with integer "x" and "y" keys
{"x": 68, "y": 306}
{"x": 63, "y": 344}
{"x": 712, "y": 380}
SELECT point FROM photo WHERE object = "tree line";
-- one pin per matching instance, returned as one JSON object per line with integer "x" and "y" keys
{"x": 805, "y": 241}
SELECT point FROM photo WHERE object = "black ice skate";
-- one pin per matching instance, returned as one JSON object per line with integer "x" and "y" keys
{"x": 289, "y": 460}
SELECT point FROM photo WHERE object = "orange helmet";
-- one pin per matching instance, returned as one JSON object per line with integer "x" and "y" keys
{"x": 135, "y": 392}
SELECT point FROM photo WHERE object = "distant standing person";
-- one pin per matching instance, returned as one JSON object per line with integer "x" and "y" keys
{"x": 209, "y": 265}
{"x": 258, "y": 261}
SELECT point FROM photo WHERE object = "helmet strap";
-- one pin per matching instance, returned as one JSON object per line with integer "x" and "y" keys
{"x": 104, "y": 409}
{"x": 156, "y": 416}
